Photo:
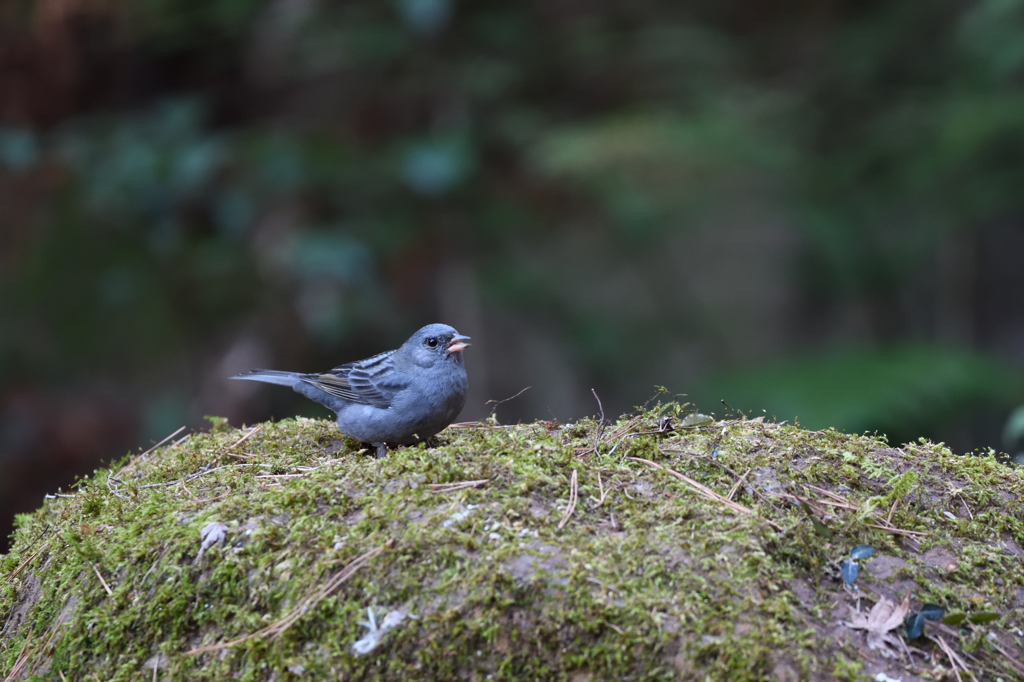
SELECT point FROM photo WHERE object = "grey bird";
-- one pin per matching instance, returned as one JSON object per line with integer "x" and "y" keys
{"x": 397, "y": 397}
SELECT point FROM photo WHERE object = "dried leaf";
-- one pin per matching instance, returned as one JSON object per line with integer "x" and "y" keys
{"x": 883, "y": 618}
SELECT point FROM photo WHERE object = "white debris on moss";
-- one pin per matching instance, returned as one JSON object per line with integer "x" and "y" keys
{"x": 213, "y": 533}
{"x": 369, "y": 642}
{"x": 459, "y": 516}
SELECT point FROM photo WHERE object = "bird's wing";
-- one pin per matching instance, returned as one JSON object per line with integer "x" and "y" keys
{"x": 373, "y": 381}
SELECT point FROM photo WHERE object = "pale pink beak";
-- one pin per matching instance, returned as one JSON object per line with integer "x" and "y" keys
{"x": 458, "y": 343}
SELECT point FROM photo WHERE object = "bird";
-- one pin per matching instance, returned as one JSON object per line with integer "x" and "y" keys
{"x": 398, "y": 397}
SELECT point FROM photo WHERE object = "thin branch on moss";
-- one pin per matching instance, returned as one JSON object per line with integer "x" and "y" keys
{"x": 142, "y": 457}
{"x": 705, "y": 491}
{"x": 599, "y": 406}
{"x": 573, "y": 496}
{"x": 634, "y": 435}
{"x": 305, "y": 606}
{"x": 496, "y": 403}
{"x": 459, "y": 485}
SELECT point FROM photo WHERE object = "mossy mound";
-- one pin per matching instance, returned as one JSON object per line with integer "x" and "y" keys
{"x": 647, "y": 577}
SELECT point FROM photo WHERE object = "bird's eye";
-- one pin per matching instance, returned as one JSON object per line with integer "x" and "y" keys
{"x": 432, "y": 342}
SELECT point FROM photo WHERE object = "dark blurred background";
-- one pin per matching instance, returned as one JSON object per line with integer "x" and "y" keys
{"x": 811, "y": 209}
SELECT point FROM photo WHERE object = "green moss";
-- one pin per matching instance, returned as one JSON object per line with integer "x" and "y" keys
{"x": 646, "y": 580}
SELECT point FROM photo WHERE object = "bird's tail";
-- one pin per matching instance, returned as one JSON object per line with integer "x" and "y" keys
{"x": 271, "y": 376}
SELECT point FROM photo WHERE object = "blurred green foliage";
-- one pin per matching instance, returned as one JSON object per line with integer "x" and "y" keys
{"x": 901, "y": 392}
{"x": 304, "y": 171}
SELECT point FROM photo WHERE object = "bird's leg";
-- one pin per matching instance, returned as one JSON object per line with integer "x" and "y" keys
{"x": 382, "y": 449}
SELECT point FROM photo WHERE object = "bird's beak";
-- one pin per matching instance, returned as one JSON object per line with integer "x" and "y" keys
{"x": 458, "y": 343}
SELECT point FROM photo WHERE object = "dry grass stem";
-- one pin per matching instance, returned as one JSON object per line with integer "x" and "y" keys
{"x": 246, "y": 437}
{"x": 458, "y": 485}
{"x": 46, "y": 647}
{"x": 615, "y": 435}
{"x": 966, "y": 508}
{"x": 1010, "y": 660}
{"x": 705, "y": 491}
{"x": 954, "y": 660}
{"x": 103, "y": 582}
{"x": 845, "y": 504}
{"x": 604, "y": 493}
{"x": 21, "y": 661}
{"x": 897, "y": 531}
{"x": 892, "y": 510}
{"x": 738, "y": 483}
{"x": 757, "y": 493}
{"x": 25, "y": 563}
{"x": 573, "y": 495}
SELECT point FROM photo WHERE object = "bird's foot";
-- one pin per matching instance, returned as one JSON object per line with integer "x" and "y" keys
{"x": 382, "y": 449}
